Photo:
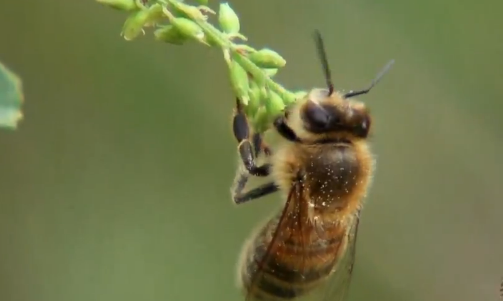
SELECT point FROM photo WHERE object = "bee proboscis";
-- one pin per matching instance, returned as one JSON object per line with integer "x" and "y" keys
{"x": 324, "y": 167}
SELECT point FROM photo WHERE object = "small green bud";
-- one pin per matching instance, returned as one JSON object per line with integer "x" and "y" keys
{"x": 261, "y": 120}
{"x": 189, "y": 10}
{"x": 124, "y": 5}
{"x": 170, "y": 34}
{"x": 155, "y": 14}
{"x": 188, "y": 28}
{"x": 274, "y": 104}
{"x": 228, "y": 19}
{"x": 254, "y": 102}
{"x": 239, "y": 81}
{"x": 177, "y": 12}
{"x": 264, "y": 94}
{"x": 267, "y": 58}
{"x": 134, "y": 24}
{"x": 270, "y": 71}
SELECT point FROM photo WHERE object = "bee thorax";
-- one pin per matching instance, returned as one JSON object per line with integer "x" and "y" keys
{"x": 331, "y": 175}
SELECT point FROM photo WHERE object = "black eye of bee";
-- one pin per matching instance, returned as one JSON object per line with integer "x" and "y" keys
{"x": 317, "y": 118}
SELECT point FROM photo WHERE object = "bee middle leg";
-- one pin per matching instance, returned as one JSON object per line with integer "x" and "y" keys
{"x": 242, "y": 177}
{"x": 239, "y": 197}
{"x": 247, "y": 149}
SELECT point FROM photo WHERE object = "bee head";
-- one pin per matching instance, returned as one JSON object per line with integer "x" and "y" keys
{"x": 325, "y": 111}
{"x": 331, "y": 114}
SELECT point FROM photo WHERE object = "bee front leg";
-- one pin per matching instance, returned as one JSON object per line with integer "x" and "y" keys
{"x": 284, "y": 130}
{"x": 242, "y": 134}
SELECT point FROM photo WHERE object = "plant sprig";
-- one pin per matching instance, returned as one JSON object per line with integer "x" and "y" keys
{"x": 250, "y": 70}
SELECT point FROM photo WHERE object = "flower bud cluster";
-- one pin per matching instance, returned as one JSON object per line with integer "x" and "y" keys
{"x": 261, "y": 103}
{"x": 250, "y": 70}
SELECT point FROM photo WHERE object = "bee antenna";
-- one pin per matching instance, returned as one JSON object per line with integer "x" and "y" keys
{"x": 324, "y": 62}
{"x": 374, "y": 82}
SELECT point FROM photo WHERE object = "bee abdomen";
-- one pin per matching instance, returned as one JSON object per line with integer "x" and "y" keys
{"x": 292, "y": 270}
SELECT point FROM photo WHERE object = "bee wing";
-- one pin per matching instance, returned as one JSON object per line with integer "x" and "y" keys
{"x": 264, "y": 261}
{"x": 291, "y": 226}
{"x": 337, "y": 287}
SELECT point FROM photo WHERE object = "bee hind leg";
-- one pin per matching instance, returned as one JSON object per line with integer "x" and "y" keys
{"x": 242, "y": 134}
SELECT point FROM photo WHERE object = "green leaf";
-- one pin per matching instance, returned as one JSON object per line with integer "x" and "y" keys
{"x": 11, "y": 98}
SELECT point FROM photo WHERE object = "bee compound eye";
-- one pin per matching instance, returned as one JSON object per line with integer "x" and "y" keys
{"x": 315, "y": 116}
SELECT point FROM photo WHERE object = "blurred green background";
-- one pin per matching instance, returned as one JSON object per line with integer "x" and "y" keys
{"x": 116, "y": 185}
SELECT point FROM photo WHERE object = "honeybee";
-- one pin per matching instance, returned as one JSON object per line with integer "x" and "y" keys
{"x": 323, "y": 167}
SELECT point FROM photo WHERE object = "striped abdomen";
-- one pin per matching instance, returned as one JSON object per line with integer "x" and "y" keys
{"x": 300, "y": 258}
